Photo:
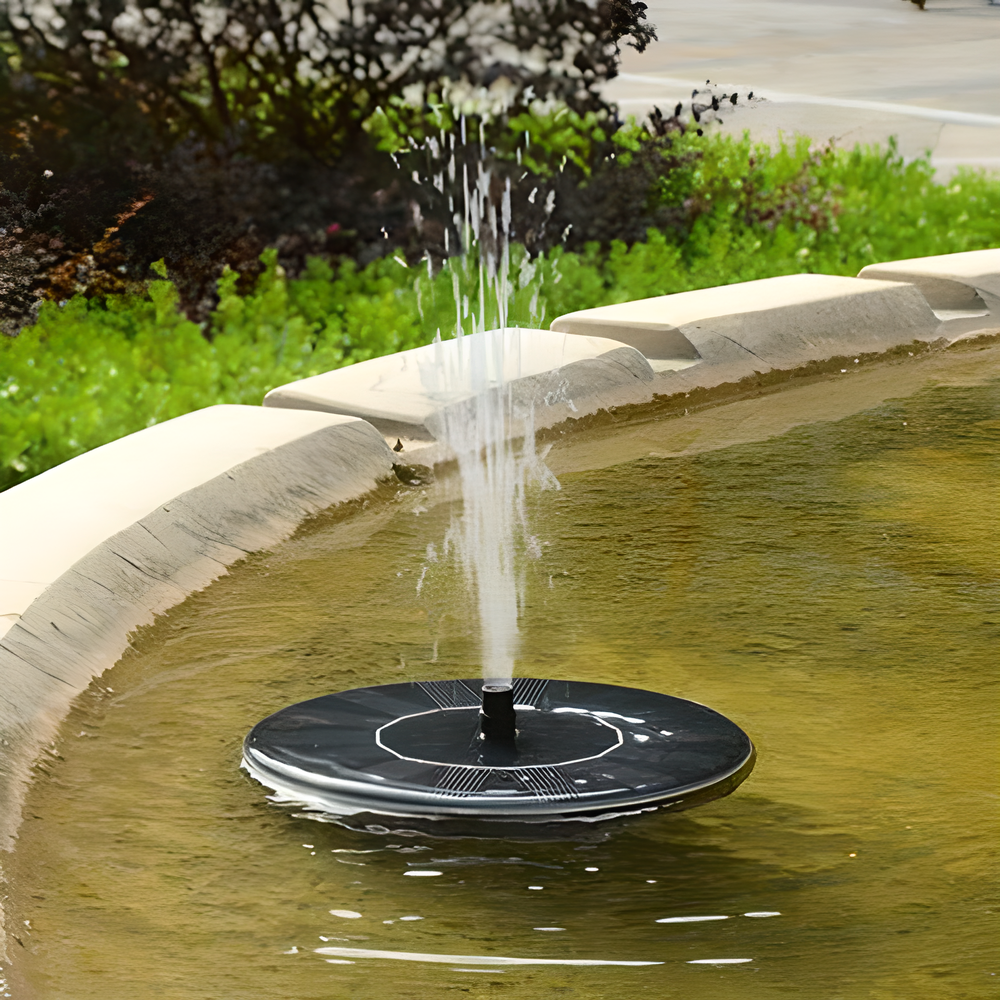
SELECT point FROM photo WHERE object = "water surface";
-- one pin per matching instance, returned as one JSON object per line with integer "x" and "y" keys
{"x": 833, "y": 589}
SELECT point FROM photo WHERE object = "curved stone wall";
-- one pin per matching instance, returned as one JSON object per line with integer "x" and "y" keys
{"x": 112, "y": 538}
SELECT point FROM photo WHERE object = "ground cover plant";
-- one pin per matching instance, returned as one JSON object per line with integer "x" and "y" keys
{"x": 94, "y": 368}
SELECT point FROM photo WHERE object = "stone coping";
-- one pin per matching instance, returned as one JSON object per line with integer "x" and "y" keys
{"x": 962, "y": 283}
{"x": 95, "y": 495}
{"x": 771, "y": 323}
{"x": 402, "y": 394}
{"x": 96, "y": 547}
{"x": 124, "y": 532}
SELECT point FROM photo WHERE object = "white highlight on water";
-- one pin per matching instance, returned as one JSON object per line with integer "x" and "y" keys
{"x": 687, "y": 920}
{"x": 412, "y": 956}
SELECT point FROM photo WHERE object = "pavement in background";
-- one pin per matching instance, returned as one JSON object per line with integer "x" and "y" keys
{"x": 833, "y": 69}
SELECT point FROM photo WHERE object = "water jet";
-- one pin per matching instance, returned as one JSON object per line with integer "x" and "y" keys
{"x": 503, "y": 750}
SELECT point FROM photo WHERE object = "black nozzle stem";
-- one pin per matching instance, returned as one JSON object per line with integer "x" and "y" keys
{"x": 496, "y": 717}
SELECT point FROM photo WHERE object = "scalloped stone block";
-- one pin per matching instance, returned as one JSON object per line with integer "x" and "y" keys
{"x": 402, "y": 393}
{"x": 952, "y": 283}
{"x": 94, "y": 548}
{"x": 772, "y": 323}
{"x": 56, "y": 518}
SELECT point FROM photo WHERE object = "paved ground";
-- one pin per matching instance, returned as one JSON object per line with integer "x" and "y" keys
{"x": 851, "y": 70}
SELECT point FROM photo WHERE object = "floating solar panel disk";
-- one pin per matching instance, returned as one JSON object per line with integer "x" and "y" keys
{"x": 456, "y": 757}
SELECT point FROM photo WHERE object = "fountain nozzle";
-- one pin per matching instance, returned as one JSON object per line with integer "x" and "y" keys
{"x": 497, "y": 720}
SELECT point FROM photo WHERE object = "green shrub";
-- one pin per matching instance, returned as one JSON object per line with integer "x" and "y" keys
{"x": 93, "y": 370}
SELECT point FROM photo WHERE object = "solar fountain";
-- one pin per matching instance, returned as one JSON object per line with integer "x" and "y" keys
{"x": 499, "y": 754}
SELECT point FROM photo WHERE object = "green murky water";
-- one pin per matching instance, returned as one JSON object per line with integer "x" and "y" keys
{"x": 832, "y": 589}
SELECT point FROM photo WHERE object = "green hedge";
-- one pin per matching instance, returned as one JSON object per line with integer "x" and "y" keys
{"x": 90, "y": 370}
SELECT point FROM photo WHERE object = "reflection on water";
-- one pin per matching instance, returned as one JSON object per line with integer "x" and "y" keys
{"x": 689, "y": 920}
{"x": 832, "y": 590}
{"x": 416, "y": 956}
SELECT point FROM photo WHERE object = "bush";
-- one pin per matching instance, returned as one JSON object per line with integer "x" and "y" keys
{"x": 306, "y": 74}
{"x": 201, "y": 133}
{"x": 92, "y": 370}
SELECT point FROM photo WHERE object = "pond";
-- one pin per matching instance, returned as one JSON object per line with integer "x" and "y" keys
{"x": 829, "y": 583}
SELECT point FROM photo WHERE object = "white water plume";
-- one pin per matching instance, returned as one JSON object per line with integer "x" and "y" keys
{"x": 491, "y": 436}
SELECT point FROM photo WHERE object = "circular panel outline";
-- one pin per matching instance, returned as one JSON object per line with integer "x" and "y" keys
{"x": 489, "y": 767}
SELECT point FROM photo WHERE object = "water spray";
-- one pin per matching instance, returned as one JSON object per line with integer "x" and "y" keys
{"x": 454, "y": 757}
